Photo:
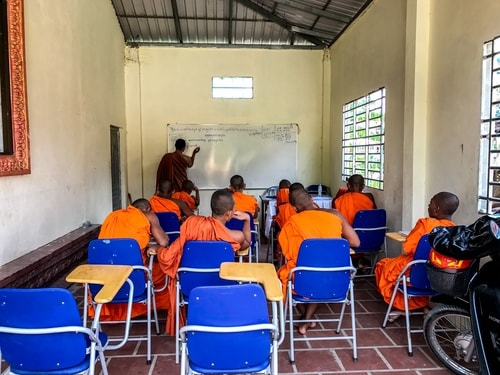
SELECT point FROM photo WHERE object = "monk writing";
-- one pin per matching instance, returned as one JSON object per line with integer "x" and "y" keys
{"x": 140, "y": 223}
{"x": 441, "y": 208}
{"x": 310, "y": 222}
{"x": 186, "y": 195}
{"x": 173, "y": 165}
{"x": 205, "y": 229}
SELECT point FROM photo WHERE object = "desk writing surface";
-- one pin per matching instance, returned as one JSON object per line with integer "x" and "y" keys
{"x": 110, "y": 276}
{"x": 396, "y": 236}
{"x": 263, "y": 273}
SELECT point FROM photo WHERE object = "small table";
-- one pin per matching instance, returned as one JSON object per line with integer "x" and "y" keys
{"x": 110, "y": 276}
{"x": 396, "y": 236}
{"x": 265, "y": 274}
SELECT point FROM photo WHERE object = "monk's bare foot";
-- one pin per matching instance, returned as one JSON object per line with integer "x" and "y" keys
{"x": 304, "y": 326}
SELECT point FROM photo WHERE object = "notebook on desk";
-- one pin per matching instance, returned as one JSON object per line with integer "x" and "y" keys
{"x": 404, "y": 233}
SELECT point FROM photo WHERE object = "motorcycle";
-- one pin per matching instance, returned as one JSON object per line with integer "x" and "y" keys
{"x": 463, "y": 330}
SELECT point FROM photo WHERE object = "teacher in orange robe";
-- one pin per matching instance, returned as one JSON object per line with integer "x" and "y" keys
{"x": 140, "y": 223}
{"x": 205, "y": 229}
{"x": 310, "y": 222}
{"x": 354, "y": 199}
{"x": 441, "y": 208}
{"x": 173, "y": 165}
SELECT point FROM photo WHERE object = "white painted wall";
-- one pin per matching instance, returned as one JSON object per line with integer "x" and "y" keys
{"x": 75, "y": 89}
{"x": 174, "y": 86}
{"x": 428, "y": 56}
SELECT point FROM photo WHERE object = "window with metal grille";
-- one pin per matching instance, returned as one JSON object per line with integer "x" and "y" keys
{"x": 232, "y": 87}
{"x": 363, "y": 138}
{"x": 489, "y": 144}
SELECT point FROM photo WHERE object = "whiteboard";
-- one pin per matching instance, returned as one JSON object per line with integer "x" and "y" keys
{"x": 262, "y": 154}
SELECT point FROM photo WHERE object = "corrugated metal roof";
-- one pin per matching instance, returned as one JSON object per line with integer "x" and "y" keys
{"x": 236, "y": 23}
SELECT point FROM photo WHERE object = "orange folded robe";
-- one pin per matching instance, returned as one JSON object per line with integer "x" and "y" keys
{"x": 132, "y": 223}
{"x": 285, "y": 211}
{"x": 307, "y": 224}
{"x": 350, "y": 203}
{"x": 194, "y": 228}
{"x": 160, "y": 204}
{"x": 388, "y": 269}
{"x": 245, "y": 202}
{"x": 184, "y": 196}
{"x": 282, "y": 196}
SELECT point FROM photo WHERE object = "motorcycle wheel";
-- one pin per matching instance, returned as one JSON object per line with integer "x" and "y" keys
{"x": 448, "y": 333}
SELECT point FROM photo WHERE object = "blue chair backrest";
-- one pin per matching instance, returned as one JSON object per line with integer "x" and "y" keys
{"x": 237, "y": 224}
{"x": 323, "y": 252}
{"x": 418, "y": 272}
{"x": 41, "y": 308}
{"x": 227, "y": 306}
{"x": 169, "y": 222}
{"x": 370, "y": 240}
{"x": 203, "y": 254}
{"x": 120, "y": 251}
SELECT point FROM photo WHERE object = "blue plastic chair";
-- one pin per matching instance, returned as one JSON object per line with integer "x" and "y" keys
{"x": 228, "y": 332}
{"x": 41, "y": 332}
{"x": 199, "y": 266}
{"x": 236, "y": 224}
{"x": 170, "y": 224}
{"x": 371, "y": 227}
{"x": 415, "y": 285}
{"x": 323, "y": 274}
{"x": 126, "y": 251}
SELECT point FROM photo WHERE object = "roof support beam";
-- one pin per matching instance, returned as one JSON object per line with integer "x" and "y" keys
{"x": 280, "y": 21}
{"x": 313, "y": 10}
{"x": 230, "y": 23}
{"x": 177, "y": 23}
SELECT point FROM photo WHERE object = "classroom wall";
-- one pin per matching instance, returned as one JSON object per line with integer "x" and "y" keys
{"x": 75, "y": 89}
{"x": 173, "y": 85}
{"x": 428, "y": 56}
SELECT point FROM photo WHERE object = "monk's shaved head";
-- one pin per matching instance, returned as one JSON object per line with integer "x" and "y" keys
{"x": 356, "y": 183}
{"x": 284, "y": 184}
{"x": 237, "y": 182}
{"x": 165, "y": 188}
{"x": 295, "y": 186}
{"x": 221, "y": 202}
{"x": 447, "y": 202}
{"x": 301, "y": 199}
{"x": 142, "y": 204}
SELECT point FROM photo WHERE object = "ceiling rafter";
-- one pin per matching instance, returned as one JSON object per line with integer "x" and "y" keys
{"x": 280, "y": 21}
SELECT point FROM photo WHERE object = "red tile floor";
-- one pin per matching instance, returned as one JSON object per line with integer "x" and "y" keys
{"x": 380, "y": 351}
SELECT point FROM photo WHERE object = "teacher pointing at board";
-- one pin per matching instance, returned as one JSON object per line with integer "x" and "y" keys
{"x": 173, "y": 165}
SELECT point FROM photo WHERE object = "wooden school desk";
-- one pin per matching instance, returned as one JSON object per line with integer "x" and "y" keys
{"x": 262, "y": 273}
{"x": 397, "y": 236}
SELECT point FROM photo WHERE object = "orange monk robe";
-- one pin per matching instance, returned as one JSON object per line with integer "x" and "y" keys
{"x": 350, "y": 203}
{"x": 304, "y": 225}
{"x": 388, "y": 269}
{"x": 282, "y": 196}
{"x": 160, "y": 204}
{"x": 245, "y": 202}
{"x": 132, "y": 223}
{"x": 184, "y": 196}
{"x": 173, "y": 167}
{"x": 194, "y": 228}
{"x": 285, "y": 210}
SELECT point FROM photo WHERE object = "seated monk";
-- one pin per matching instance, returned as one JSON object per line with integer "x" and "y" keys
{"x": 310, "y": 222}
{"x": 354, "y": 199}
{"x": 204, "y": 229}
{"x": 243, "y": 202}
{"x": 441, "y": 208}
{"x": 162, "y": 201}
{"x": 140, "y": 223}
{"x": 185, "y": 195}
{"x": 283, "y": 207}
